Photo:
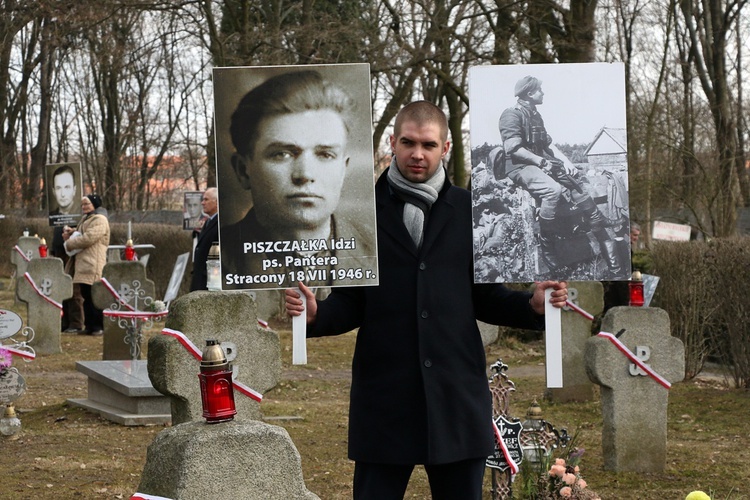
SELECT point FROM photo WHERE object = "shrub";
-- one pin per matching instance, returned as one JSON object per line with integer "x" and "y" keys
{"x": 169, "y": 240}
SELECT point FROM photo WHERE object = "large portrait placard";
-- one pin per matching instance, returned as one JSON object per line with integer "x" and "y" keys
{"x": 64, "y": 192}
{"x": 549, "y": 172}
{"x": 294, "y": 169}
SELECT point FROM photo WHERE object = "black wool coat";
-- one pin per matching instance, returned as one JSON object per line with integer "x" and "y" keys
{"x": 206, "y": 238}
{"x": 419, "y": 382}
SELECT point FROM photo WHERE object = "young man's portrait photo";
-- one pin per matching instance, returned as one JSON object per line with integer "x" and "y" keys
{"x": 549, "y": 172}
{"x": 192, "y": 216}
{"x": 295, "y": 176}
{"x": 63, "y": 181}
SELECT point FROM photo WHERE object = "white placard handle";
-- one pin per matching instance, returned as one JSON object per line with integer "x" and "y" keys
{"x": 299, "y": 333}
{"x": 553, "y": 342}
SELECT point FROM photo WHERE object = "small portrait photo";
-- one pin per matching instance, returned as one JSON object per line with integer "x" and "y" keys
{"x": 294, "y": 162}
{"x": 549, "y": 172}
{"x": 64, "y": 192}
{"x": 192, "y": 210}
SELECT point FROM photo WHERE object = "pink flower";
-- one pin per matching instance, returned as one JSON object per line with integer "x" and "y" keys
{"x": 566, "y": 492}
{"x": 577, "y": 469}
{"x": 557, "y": 470}
{"x": 582, "y": 484}
{"x": 560, "y": 461}
{"x": 569, "y": 479}
{"x": 5, "y": 359}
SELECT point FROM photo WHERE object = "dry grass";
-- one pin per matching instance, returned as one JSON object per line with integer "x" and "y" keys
{"x": 65, "y": 452}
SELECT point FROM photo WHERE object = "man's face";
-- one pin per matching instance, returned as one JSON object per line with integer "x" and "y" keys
{"x": 536, "y": 96}
{"x": 419, "y": 150}
{"x": 634, "y": 235}
{"x": 208, "y": 202}
{"x": 65, "y": 191}
{"x": 297, "y": 169}
{"x": 194, "y": 207}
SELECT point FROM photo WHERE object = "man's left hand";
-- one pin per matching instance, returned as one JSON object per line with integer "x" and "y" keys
{"x": 557, "y": 299}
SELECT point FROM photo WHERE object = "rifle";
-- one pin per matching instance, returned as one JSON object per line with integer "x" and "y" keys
{"x": 558, "y": 172}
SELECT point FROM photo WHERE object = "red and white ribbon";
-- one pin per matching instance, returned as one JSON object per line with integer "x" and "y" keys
{"x": 632, "y": 357}
{"x": 39, "y": 292}
{"x": 580, "y": 311}
{"x": 198, "y": 354}
{"x": 504, "y": 449}
{"x": 144, "y": 496}
{"x": 18, "y": 249}
{"x": 19, "y": 353}
{"x": 116, "y": 295}
{"x": 111, "y": 313}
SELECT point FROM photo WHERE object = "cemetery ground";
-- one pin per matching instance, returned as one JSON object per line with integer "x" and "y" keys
{"x": 66, "y": 452}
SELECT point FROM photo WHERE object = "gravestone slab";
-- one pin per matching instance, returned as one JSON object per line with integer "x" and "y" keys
{"x": 240, "y": 460}
{"x": 576, "y": 330}
{"x": 229, "y": 317}
{"x": 120, "y": 391}
{"x": 489, "y": 333}
{"x": 634, "y": 405}
{"x": 50, "y": 284}
{"x": 128, "y": 279}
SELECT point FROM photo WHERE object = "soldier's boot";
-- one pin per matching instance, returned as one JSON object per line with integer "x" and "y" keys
{"x": 547, "y": 235}
{"x": 608, "y": 252}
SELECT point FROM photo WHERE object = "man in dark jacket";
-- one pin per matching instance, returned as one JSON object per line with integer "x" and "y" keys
{"x": 207, "y": 236}
{"x": 419, "y": 386}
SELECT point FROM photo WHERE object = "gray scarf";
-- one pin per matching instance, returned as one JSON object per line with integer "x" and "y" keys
{"x": 418, "y": 198}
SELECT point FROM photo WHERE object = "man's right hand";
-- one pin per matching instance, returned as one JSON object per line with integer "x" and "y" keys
{"x": 295, "y": 306}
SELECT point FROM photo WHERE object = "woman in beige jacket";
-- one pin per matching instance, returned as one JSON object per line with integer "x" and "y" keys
{"x": 88, "y": 242}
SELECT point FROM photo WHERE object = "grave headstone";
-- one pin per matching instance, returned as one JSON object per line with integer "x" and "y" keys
{"x": 239, "y": 460}
{"x": 230, "y": 318}
{"x": 124, "y": 288}
{"x": 21, "y": 254}
{"x": 489, "y": 333}
{"x": 43, "y": 287}
{"x": 634, "y": 404}
{"x": 576, "y": 330}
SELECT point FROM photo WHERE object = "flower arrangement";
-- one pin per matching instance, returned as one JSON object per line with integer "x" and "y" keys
{"x": 564, "y": 481}
{"x": 5, "y": 361}
{"x": 158, "y": 306}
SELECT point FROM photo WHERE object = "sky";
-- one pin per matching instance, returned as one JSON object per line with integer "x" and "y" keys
{"x": 579, "y": 99}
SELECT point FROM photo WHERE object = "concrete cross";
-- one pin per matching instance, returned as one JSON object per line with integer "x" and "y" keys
{"x": 634, "y": 405}
{"x": 232, "y": 319}
{"x": 43, "y": 287}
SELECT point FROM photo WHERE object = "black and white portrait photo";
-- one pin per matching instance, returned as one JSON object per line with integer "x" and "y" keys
{"x": 549, "y": 172}
{"x": 64, "y": 192}
{"x": 192, "y": 216}
{"x": 295, "y": 176}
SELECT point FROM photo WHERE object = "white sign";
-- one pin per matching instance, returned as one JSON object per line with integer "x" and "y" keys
{"x": 10, "y": 323}
{"x": 670, "y": 231}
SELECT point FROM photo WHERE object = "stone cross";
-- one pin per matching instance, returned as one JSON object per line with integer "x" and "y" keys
{"x": 634, "y": 405}
{"x": 230, "y": 318}
{"x": 576, "y": 330}
{"x": 21, "y": 253}
{"x": 122, "y": 336}
{"x": 46, "y": 286}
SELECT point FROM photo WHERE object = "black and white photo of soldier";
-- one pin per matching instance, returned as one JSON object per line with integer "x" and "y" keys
{"x": 540, "y": 213}
{"x": 193, "y": 216}
{"x": 63, "y": 181}
{"x": 295, "y": 178}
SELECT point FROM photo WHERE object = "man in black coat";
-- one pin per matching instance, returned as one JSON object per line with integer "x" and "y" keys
{"x": 207, "y": 236}
{"x": 419, "y": 385}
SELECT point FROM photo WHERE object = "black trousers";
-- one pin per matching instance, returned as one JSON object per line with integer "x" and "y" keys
{"x": 455, "y": 481}
{"x": 93, "y": 317}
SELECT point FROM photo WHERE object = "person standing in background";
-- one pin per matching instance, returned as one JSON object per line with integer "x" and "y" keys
{"x": 208, "y": 235}
{"x": 87, "y": 244}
